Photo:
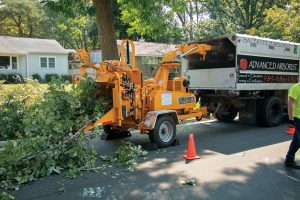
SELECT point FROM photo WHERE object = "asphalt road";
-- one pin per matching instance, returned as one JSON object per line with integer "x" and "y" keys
{"x": 237, "y": 162}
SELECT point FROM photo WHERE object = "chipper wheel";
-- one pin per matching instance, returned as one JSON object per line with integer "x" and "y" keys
{"x": 164, "y": 132}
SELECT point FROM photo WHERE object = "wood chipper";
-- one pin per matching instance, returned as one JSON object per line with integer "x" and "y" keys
{"x": 154, "y": 106}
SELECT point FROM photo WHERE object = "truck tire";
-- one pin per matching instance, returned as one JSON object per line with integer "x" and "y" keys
{"x": 228, "y": 117}
{"x": 271, "y": 112}
{"x": 164, "y": 132}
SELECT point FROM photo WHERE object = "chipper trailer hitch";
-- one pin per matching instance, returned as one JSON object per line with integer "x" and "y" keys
{"x": 154, "y": 106}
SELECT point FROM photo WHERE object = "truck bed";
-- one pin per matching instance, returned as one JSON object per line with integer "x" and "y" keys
{"x": 242, "y": 62}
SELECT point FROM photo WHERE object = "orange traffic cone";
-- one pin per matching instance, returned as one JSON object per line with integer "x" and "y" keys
{"x": 191, "y": 151}
{"x": 290, "y": 131}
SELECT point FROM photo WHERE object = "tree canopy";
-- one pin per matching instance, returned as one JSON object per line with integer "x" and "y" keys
{"x": 94, "y": 24}
{"x": 23, "y": 18}
{"x": 281, "y": 23}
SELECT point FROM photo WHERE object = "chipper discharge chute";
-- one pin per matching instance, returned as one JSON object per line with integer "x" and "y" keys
{"x": 154, "y": 106}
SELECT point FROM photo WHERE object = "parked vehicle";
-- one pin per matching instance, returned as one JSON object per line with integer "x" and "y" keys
{"x": 244, "y": 74}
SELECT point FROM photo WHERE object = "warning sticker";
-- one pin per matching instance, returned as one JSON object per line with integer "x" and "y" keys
{"x": 166, "y": 98}
{"x": 185, "y": 100}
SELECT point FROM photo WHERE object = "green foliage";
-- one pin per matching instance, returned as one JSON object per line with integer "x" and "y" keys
{"x": 126, "y": 155}
{"x": 76, "y": 33}
{"x": 36, "y": 77}
{"x": 14, "y": 78}
{"x": 22, "y": 18}
{"x": 11, "y": 115}
{"x": 6, "y": 196}
{"x": 53, "y": 139}
{"x": 92, "y": 104}
{"x": 73, "y": 23}
{"x": 66, "y": 77}
{"x": 280, "y": 23}
{"x": 70, "y": 8}
{"x": 15, "y": 101}
{"x": 50, "y": 77}
{"x": 32, "y": 157}
{"x": 3, "y": 77}
{"x": 239, "y": 15}
{"x": 142, "y": 19}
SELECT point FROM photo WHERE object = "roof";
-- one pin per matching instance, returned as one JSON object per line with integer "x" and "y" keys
{"x": 20, "y": 45}
{"x": 150, "y": 48}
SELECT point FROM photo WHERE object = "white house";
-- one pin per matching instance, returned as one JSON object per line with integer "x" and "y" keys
{"x": 149, "y": 54}
{"x": 28, "y": 56}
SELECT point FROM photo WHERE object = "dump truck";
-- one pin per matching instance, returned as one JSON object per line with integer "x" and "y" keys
{"x": 245, "y": 75}
{"x": 154, "y": 106}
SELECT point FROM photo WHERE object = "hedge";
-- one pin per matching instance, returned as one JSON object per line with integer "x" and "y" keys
{"x": 66, "y": 77}
{"x": 11, "y": 78}
{"x": 49, "y": 77}
{"x": 36, "y": 77}
{"x": 3, "y": 77}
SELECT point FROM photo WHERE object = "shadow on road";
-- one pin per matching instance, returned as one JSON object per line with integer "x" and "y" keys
{"x": 262, "y": 181}
{"x": 225, "y": 138}
{"x": 161, "y": 173}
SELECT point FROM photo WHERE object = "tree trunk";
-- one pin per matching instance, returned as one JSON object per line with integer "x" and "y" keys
{"x": 106, "y": 29}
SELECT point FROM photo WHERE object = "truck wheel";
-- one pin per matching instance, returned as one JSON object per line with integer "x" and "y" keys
{"x": 164, "y": 132}
{"x": 271, "y": 112}
{"x": 232, "y": 113}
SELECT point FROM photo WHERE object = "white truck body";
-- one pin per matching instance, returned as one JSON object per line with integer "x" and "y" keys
{"x": 245, "y": 75}
{"x": 270, "y": 65}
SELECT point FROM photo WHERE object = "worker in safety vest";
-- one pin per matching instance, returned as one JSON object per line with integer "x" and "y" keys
{"x": 294, "y": 121}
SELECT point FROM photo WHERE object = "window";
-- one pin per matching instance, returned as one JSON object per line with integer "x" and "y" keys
{"x": 14, "y": 63}
{"x": 8, "y": 62}
{"x": 47, "y": 62}
{"x": 43, "y": 62}
{"x": 51, "y": 62}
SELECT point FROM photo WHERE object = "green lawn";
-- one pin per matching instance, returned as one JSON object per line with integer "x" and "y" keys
{"x": 7, "y": 87}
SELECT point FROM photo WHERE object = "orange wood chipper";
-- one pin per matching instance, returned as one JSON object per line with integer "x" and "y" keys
{"x": 154, "y": 106}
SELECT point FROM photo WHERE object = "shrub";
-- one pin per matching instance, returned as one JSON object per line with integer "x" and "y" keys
{"x": 66, "y": 77}
{"x": 12, "y": 78}
{"x": 49, "y": 77}
{"x": 36, "y": 77}
{"x": 3, "y": 77}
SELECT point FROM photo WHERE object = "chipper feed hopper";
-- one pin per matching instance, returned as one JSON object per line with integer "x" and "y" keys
{"x": 154, "y": 106}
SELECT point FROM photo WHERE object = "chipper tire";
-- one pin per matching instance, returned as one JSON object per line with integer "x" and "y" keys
{"x": 164, "y": 132}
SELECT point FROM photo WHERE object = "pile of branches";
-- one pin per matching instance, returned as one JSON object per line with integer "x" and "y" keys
{"x": 52, "y": 140}
{"x": 15, "y": 100}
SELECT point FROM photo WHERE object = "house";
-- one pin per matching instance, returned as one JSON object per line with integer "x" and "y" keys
{"x": 27, "y": 56}
{"x": 148, "y": 54}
